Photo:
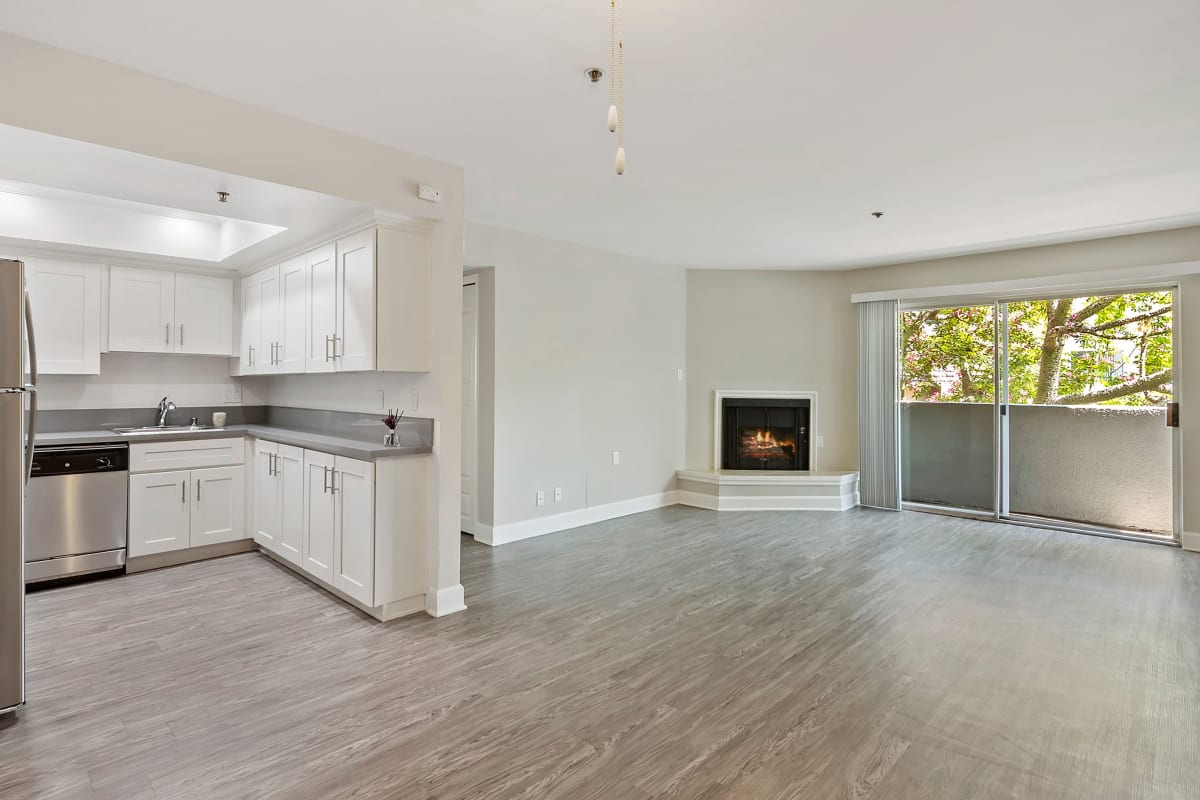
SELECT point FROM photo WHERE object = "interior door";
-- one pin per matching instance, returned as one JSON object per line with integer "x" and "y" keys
{"x": 141, "y": 310}
{"x": 159, "y": 512}
{"x": 267, "y": 510}
{"x": 354, "y": 346}
{"x": 290, "y": 469}
{"x": 354, "y": 559}
{"x": 293, "y": 313}
{"x": 218, "y": 505}
{"x": 322, "y": 309}
{"x": 470, "y": 411}
{"x": 320, "y": 515}
{"x": 203, "y": 315}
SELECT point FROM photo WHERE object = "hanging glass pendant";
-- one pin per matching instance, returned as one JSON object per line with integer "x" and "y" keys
{"x": 620, "y": 160}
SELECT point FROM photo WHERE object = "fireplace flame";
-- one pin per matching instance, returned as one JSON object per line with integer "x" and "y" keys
{"x": 764, "y": 442}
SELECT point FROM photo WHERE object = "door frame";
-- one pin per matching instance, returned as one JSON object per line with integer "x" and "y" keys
{"x": 1001, "y": 511}
{"x": 471, "y": 459}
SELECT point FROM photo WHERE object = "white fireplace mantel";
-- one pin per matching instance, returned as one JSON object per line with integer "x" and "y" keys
{"x": 767, "y": 394}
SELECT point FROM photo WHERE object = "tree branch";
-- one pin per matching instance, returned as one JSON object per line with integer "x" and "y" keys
{"x": 1118, "y": 323}
{"x": 1095, "y": 307}
{"x": 1153, "y": 381}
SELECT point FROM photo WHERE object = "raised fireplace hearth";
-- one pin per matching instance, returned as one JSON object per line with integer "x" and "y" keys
{"x": 764, "y": 433}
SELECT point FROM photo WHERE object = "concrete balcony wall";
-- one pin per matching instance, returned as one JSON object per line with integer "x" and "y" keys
{"x": 1102, "y": 465}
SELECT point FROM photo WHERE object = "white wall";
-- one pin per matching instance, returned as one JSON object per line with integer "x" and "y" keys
{"x": 70, "y": 95}
{"x": 134, "y": 380}
{"x": 777, "y": 330}
{"x": 588, "y": 346}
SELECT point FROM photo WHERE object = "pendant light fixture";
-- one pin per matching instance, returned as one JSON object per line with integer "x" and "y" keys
{"x": 616, "y": 108}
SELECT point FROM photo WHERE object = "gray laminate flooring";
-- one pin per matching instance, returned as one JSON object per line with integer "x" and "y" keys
{"x": 673, "y": 654}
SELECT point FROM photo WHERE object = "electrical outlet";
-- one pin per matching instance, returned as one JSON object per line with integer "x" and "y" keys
{"x": 616, "y": 457}
{"x": 820, "y": 441}
{"x": 541, "y": 497}
{"x": 680, "y": 374}
{"x": 429, "y": 194}
{"x": 412, "y": 406}
{"x": 558, "y": 494}
{"x": 233, "y": 393}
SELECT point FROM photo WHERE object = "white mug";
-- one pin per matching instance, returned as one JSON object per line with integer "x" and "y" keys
{"x": 218, "y": 419}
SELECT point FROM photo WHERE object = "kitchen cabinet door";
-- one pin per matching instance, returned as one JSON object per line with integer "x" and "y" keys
{"x": 65, "y": 299}
{"x": 290, "y": 468}
{"x": 267, "y": 509}
{"x": 354, "y": 346}
{"x": 218, "y": 505}
{"x": 251, "y": 325}
{"x": 319, "y": 516}
{"x": 159, "y": 513}
{"x": 322, "y": 309}
{"x": 269, "y": 295}
{"x": 354, "y": 556}
{"x": 203, "y": 315}
{"x": 293, "y": 315}
{"x": 141, "y": 310}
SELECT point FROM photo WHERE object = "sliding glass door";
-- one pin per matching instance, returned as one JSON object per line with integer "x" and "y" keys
{"x": 1089, "y": 381}
{"x": 1046, "y": 410}
{"x": 947, "y": 409}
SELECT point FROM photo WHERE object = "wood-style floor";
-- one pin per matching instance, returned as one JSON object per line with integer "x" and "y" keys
{"x": 673, "y": 654}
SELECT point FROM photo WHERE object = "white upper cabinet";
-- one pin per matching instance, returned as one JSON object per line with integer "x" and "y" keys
{"x": 141, "y": 310}
{"x": 322, "y": 309}
{"x": 320, "y": 312}
{"x": 65, "y": 299}
{"x": 290, "y": 352}
{"x": 354, "y": 341}
{"x": 150, "y": 310}
{"x": 250, "y": 349}
{"x": 203, "y": 315}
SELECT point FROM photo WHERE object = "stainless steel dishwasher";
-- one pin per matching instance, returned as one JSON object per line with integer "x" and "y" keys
{"x": 76, "y": 512}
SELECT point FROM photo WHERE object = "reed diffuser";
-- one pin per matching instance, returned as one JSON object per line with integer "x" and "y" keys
{"x": 391, "y": 421}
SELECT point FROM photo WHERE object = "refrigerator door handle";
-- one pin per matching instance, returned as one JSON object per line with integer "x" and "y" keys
{"x": 31, "y": 430}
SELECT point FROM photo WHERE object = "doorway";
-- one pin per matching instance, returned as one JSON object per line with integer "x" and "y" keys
{"x": 1052, "y": 411}
{"x": 469, "y": 511}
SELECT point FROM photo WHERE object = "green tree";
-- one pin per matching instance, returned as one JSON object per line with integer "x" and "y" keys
{"x": 1112, "y": 349}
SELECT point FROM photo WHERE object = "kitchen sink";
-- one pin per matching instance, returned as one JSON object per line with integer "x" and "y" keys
{"x": 161, "y": 429}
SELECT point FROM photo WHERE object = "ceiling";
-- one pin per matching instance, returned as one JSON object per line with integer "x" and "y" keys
{"x": 759, "y": 133}
{"x": 77, "y": 197}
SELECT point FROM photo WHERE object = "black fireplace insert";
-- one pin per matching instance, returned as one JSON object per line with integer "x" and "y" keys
{"x": 764, "y": 433}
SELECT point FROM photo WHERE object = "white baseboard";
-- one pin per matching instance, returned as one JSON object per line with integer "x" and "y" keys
{"x": 1191, "y": 541}
{"x": 767, "y": 503}
{"x": 443, "y": 602}
{"x": 483, "y": 533}
{"x": 540, "y": 526}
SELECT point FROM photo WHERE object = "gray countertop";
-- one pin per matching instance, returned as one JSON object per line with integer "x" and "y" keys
{"x": 337, "y": 445}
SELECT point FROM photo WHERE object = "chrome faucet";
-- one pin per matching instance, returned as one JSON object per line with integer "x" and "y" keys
{"x": 164, "y": 407}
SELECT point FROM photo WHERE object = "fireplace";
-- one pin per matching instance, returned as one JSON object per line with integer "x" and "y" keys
{"x": 763, "y": 433}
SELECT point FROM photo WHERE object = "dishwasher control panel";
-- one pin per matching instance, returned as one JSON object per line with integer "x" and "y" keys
{"x": 79, "y": 460}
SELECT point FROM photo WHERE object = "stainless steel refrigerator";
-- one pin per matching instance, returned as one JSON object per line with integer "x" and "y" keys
{"x": 18, "y": 389}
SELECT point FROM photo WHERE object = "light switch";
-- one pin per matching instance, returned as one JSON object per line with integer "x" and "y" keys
{"x": 558, "y": 494}
{"x": 616, "y": 457}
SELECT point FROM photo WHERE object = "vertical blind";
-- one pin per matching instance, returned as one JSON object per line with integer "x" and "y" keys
{"x": 878, "y": 406}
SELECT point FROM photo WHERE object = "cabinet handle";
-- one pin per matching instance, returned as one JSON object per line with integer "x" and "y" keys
{"x": 250, "y": 355}
{"x": 336, "y": 339}
{"x": 167, "y": 333}
{"x": 183, "y": 492}
{"x": 278, "y": 350}
{"x": 274, "y": 464}
{"x": 181, "y": 335}
{"x": 333, "y": 481}
{"x": 327, "y": 341}
{"x": 197, "y": 491}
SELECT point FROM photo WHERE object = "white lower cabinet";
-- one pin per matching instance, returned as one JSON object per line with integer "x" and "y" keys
{"x": 320, "y": 513}
{"x": 185, "y": 508}
{"x": 354, "y": 532}
{"x": 159, "y": 514}
{"x": 266, "y": 503}
{"x": 279, "y": 499}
